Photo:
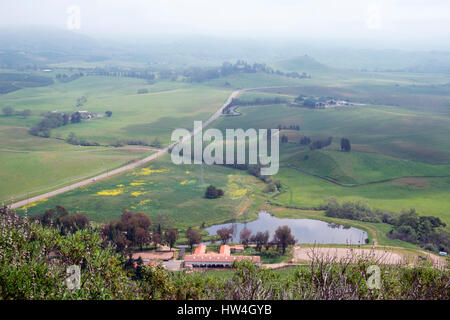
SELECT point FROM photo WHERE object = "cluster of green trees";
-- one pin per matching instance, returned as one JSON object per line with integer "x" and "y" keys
{"x": 132, "y": 230}
{"x": 10, "y": 111}
{"x": 199, "y": 74}
{"x": 59, "y": 218}
{"x": 305, "y": 141}
{"x": 135, "y": 230}
{"x": 156, "y": 143}
{"x": 319, "y": 144}
{"x": 80, "y": 141}
{"x": 213, "y": 192}
{"x": 345, "y": 145}
{"x": 34, "y": 261}
{"x": 81, "y": 101}
{"x": 290, "y": 127}
{"x": 10, "y": 82}
{"x": 53, "y": 120}
{"x": 63, "y": 77}
{"x": 282, "y": 238}
{"x": 427, "y": 231}
{"x": 257, "y": 101}
{"x": 119, "y": 72}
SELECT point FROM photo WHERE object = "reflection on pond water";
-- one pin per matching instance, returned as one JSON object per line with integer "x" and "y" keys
{"x": 304, "y": 230}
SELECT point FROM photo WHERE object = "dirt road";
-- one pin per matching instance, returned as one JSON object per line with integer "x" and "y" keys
{"x": 127, "y": 167}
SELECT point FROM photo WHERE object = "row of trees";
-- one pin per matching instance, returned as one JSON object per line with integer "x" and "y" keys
{"x": 9, "y": 111}
{"x": 282, "y": 238}
{"x": 427, "y": 231}
{"x": 134, "y": 230}
{"x": 53, "y": 120}
{"x": 199, "y": 74}
{"x": 61, "y": 219}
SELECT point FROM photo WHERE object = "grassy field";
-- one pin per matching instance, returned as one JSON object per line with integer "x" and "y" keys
{"x": 385, "y": 130}
{"x": 47, "y": 163}
{"x": 30, "y": 174}
{"x": 428, "y": 197}
{"x": 163, "y": 189}
{"x": 400, "y": 154}
{"x": 400, "y": 157}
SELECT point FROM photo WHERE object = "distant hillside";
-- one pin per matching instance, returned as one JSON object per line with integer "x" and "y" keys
{"x": 302, "y": 64}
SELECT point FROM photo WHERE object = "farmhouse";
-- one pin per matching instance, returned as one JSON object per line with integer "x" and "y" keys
{"x": 203, "y": 259}
{"x": 85, "y": 115}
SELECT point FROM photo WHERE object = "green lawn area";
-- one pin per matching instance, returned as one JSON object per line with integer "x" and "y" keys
{"x": 167, "y": 106}
{"x": 30, "y": 174}
{"x": 162, "y": 188}
{"x": 429, "y": 197}
{"x": 389, "y": 131}
{"x": 361, "y": 167}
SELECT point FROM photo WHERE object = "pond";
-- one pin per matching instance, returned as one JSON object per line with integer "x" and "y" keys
{"x": 304, "y": 230}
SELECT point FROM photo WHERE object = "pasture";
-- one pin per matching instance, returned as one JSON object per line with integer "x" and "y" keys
{"x": 48, "y": 163}
{"x": 164, "y": 191}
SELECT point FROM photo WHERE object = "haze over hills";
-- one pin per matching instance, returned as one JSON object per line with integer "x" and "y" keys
{"x": 42, "y": 46}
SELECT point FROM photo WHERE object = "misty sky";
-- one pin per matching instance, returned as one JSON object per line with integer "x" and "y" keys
{"x": 389, "y": 20}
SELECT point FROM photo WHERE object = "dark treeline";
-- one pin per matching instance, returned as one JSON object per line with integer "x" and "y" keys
{"x": 80, "y": 141}
{"x": 282, "y": 238}
{"x": 130, "y": 231}
{"x": 53, "y": 120}
{"x": 59, "y": 218}
{"x": 198, "y": 74}
{"x": 426, "y": 231}
{"x": 67, "y": 78}
{"x": 118, "y": 72}
{"x": 319, "y": 144}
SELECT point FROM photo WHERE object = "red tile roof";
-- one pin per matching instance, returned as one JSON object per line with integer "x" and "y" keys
{"x": 219, "y": 258}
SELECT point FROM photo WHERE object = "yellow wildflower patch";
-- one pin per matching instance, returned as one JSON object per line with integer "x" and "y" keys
{"x": 188, "y": 172}
{"x": 239, "y": 192}
{"x": 33, "y": 204}
{"x": 113, "y": 192}
{"x": 137, "y": 193}
{"x": 143, "y": 202}
{"x": 187, "y": 182}
{"x": 120, "y": 185}
{"x": 148, "y": 171}
{"x": 234, "y": 187}
{"x": 137, "y": 183}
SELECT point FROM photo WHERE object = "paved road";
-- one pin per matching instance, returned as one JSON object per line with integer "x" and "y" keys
{"x": 127, "y": 167}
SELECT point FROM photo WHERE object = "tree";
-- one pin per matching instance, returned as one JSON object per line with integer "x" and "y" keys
{"x": 225, "y": 234}
{"x": 156, "y": 239}
{"x": 284, "y": 139}
{"x": 261, "y": 239}
{"x": 141, "y": 237}
{"x": 74, "y": 222}
{"x": 213, "y": 193}
{"x": 171, "y": 236}
{"x": 193, "y": 236}
{"x": 108, "y": 114}
{"x": 132, "y": 229}
{"x": 305, "y": 140}
{"x": 76, "y": 117}
{"x": 8, "y": 111}
{"x": 345, "y": 145}
{"x": 245, "y": 236}
{"x": 26, "y": 113}
{"x": 283, "y": 237}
